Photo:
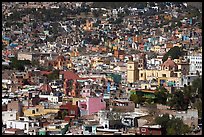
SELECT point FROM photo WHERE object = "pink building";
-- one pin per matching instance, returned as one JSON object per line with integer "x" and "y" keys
{"x": 95, "y": 104}
{"x": 91, "y": 105}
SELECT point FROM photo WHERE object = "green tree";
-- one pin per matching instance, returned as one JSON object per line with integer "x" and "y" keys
{"x": 177, "y": 127}
{"x": 172, "y": 126}
{"x": 64, "y": 113}
{"x": 163, "y": 122}
{"x": 19, "y": 64}
{"x": 54, "y": 75}
{"x": 161, "y": 95}
{"x": 65, "y": 129}
{"x": 174, "y": 52}
{"x": 198, "y": 106}
{"x": 178, "y": 101}
{"x": 197, "y": 87}
{"x": 135, "y": 99}
{"x": 25, "y": 82}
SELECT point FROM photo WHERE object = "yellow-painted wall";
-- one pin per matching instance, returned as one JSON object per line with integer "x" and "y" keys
{"x": 41, "y": 111}
{"x": 148, "y": 74}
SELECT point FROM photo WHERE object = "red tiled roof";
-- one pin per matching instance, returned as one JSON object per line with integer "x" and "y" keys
{"x": 45, "y": 72}
{"x": 70, "y": 75}
{"x": 88, "y": 78}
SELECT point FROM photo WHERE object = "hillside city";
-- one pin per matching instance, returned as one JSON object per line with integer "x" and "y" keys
{"x": 101, "y": 68}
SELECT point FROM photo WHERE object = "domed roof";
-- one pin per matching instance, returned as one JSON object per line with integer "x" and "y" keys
{"x": 61, "y": 57}
{"x": 46, "y": 87}
{"x": 169, "y": 63}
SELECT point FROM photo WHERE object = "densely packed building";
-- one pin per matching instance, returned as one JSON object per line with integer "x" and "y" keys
{"x": 71, "y": 68}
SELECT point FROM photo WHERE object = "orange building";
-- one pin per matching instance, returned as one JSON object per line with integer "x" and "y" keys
{"x": 119, "y": 53}
{"x": 60, "y": 62}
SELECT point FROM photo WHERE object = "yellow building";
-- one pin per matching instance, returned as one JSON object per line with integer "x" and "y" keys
{"x": 75, "y": 100}
{"x": 88, "y": 25}
{"x": 97, "y": 61}
{"x": 156, "y": 49}
{"x": 38, "y": 110}
{"x": 149, "y": 74}
{"x": 132, "y": 71}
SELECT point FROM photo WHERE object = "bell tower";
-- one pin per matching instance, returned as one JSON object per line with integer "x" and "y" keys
{"x": 132, "y": 71}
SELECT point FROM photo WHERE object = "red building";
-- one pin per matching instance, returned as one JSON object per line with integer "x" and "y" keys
{"x": 119, "y": 53}
{"x": 150, "y": 130}
{"x": 71, "y": 86}
{"x": 70, "y": 111}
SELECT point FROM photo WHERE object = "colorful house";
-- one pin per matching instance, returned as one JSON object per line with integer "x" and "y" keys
{"x": 68, "y": 111}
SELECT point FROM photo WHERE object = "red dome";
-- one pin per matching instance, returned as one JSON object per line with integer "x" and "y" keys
{"x": 169, "y": 63}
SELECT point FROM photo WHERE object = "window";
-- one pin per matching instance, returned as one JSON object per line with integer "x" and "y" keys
{"x": 37, "y": 109}
{"x": 11, "y": 115}
{"x": 163, "y": 75}
{"x": 72, "y": 112}
{"x": 143, "y": 129}
{"x": 130, "y": 67}
{"x": 88, "y": 129}
{"x": 33, "y": 111}
{"x": 101, "y": 100}
{"x": 141, "y": 74}
{"x": 25, "y": 128}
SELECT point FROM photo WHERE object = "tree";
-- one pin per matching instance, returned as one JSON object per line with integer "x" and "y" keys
{"x": 161, "y": 95}
{"x": 197, "y": 87}
{"x": 54, "y": 75}
{"x": 135, "y": 99}
{"x": 64, "y": 113}
{"x": 177, "y": 127}
{"x": 172, "y": 126}
{"x": 65, "y": 129}
{"x": 174, "y": 52}
{"x": 178, "y": 101}
{"x": 19, "y": 64}
{"x": 163, "y": 122}
{"x": 26, "y": 82}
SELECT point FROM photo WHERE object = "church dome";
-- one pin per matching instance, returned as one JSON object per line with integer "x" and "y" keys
{"x": 169, "y": 63}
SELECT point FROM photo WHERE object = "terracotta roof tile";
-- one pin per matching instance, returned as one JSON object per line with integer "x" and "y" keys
{"x": 70, "y": 75}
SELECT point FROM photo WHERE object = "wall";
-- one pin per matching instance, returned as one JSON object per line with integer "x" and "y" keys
{"x": 149, "y": 131}
{"x": 95, "y": 104}
{"x": 8, "y": 115}
{"x": 149, "y": 74}
{"x": 51, "y": 98}
{"x": 41, "y": 111}
{"x": 25, "y": 56}
{"x": 18, "y": 125}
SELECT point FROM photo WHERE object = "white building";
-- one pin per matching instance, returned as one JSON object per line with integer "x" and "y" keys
{"x": 6, "y": 101}
{"x": 50, "y": 97}
{"x": 195, "y": 63}
{"x": 187, "y": 80}
{"x": 25, "y": 124}
{"x": 8, "y": 115}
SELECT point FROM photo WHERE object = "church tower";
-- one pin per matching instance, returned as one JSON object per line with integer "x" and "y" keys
{"x": 132, "y": 71}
